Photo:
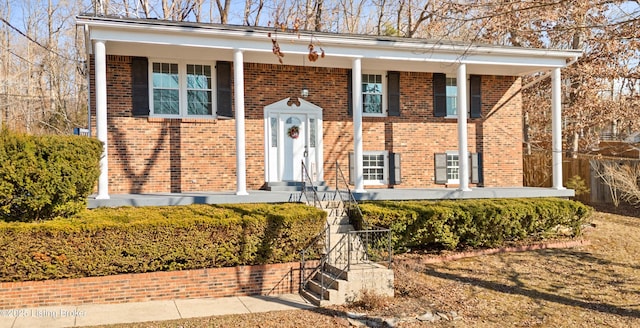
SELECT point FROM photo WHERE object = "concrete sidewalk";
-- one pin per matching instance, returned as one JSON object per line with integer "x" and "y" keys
{"x": 104, "y": 314}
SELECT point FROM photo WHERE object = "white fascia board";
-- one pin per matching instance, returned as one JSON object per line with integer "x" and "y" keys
{"x": 335, "y": 45}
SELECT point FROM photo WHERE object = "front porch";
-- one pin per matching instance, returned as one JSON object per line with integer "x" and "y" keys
{"x": 262, "y": 196}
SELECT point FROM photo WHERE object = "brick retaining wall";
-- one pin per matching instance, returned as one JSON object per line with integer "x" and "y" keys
{"x": 270, "y": 279}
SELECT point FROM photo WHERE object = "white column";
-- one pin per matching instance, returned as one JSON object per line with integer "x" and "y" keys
{"x": 463, "y": 151}
{"x": 241, "y": 165}
{"x": 100, "y": 58}
{"x": 357, "y": 123}
{"x": 556, "y": 128}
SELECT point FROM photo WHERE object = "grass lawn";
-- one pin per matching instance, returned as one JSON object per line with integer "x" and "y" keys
{"x": 589, "y": 286}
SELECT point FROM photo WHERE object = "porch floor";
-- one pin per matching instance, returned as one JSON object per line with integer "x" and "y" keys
{"x": 262, "y": 196}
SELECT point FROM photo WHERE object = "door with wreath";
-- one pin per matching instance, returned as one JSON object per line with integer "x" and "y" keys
{"x": 293, "y": 134}
{"x": 295, "y": 150}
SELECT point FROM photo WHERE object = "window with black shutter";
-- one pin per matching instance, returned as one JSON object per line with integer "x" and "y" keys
{"x": 393, "y": 93}
{"x": 439, "y": 95}
{"x": 140, "y": 86}
{"x": 476, "y": 99}
{"x": 224, "y": 95}
{"x": 349, "y": 93}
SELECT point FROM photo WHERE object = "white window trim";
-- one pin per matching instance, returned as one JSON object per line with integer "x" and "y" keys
{"x": 455, "y": 117}
{"x": 182, "y": 84}
{"x": 385, "y": 170}
{"x": 453, "y": 181}
{"x": 385, "y": 109}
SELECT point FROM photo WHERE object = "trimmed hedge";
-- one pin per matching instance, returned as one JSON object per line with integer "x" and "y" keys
{"x": 42, "y": 177}
{"x": 133, "y": 240}
{"x": 474, "y": 223}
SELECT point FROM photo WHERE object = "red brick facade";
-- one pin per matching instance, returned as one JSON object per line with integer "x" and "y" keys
{"x": 270, "y": 279}
{"x": 181, "y": 155}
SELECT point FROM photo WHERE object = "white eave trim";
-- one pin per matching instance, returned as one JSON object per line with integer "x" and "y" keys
{"x": 344, "y": 45}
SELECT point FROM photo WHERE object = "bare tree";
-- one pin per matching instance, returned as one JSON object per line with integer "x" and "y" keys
{"x": 622, "y": 178}
{"x": 223, "y": 10}
{"x": 252, "y": 8}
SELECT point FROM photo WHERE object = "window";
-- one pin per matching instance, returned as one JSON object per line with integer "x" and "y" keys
{"x": 166, "y": 91}
{"x": 373, "y": 167}
{"x": 378, "y": 168}
{"x": 447, "y": 168}
{"x": 445, "y": 96}
{"x": 452, "y": 96}
{"x": 380, "y": 93}
{"x": 274, "y": 131}
{"x": 181, "y": 89}
{"x": 312, "y": 132}
{"x": 198, "y": 90}
{"x": 453, "y": 168}
{"x": 372, "y": 93}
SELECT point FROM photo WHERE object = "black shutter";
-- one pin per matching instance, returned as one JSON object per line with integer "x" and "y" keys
{"x": 394, "y": 169}
{"x": 439, "y": 95}
{"x": 140, "y": 86}
{"x": 476, "y": 99}
{"x": 224, "y": 98}
{"x": 440, "y": 168}
{"x": 476, "y": 168}
{"x": 393, "y": 93}
{"x": 349, "y": 93}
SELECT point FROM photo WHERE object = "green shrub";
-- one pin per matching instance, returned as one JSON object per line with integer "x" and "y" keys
{"x": 578, "y": 184}
{"x": 42, "y": 177}
{"x": 110, "y": 241}
{"x": 474, "y": 223}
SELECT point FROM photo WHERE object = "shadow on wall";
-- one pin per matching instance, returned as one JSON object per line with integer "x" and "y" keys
{"x": 139, "y": 175}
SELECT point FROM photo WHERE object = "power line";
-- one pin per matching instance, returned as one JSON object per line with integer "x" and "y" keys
{"x": 15, "y": 54}
{"x": 36, "y": 42}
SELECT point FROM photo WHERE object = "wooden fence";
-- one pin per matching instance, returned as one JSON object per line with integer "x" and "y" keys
{"x": 538, "y": 173}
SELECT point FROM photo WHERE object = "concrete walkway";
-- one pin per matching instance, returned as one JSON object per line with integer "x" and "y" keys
{"x": 104, "y": 314}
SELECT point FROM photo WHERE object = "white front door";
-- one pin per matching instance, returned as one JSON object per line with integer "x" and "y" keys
{"x": 295, "y": 148}
{"x": 293, "y": 134}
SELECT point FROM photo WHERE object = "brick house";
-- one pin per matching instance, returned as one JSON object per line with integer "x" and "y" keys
{"x": 184, "y": 107}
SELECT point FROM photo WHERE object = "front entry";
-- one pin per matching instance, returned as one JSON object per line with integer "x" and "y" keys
{"x": 295, "y": 148}
{"x": 293, "y": 135}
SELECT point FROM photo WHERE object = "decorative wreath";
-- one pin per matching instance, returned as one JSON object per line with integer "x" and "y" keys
{"x": 293, "y": 132}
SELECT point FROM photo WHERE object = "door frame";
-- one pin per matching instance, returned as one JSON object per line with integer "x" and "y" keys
{"x": 275, "y": 160}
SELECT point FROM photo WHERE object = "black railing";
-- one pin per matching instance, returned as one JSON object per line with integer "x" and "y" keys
{"x": 309, "y": 191}
{"x": 367, "y": 244}
{"x": 370, "y": 243}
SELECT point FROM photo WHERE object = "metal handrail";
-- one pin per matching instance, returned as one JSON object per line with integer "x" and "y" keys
{"x": 349, "y": 206}
{"x": 353, "y": 205}
{"x": 304, "y": 279}
{"x": 305, "y": 188}
{"x": 351, "y": 200}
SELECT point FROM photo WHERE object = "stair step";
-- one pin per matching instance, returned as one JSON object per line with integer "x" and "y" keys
{"x": 320, "y": 186}
{"x": 314, "y": 298}
{"x": 340, "y": 228}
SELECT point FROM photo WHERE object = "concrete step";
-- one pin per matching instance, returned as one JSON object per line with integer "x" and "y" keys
{"x": 314, "y": 298}
{"x": 371, "y": 267}
{"x": 338, "y": 220}
{"x": 294, "y": 186}
{"x": 332, "y": 204}
{"x": 340, "y": 228}
{"x": 333, "y": 296}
